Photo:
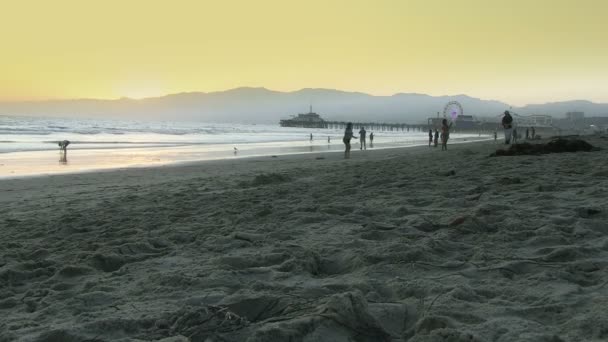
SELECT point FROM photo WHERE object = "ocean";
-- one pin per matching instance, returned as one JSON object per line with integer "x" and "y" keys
{"x": 28, "y": 145}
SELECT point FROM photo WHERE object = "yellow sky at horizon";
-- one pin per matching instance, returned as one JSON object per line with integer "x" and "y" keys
{"x": 514, "y": 51}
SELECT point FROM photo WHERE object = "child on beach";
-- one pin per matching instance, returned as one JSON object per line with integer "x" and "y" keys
{"x": 445, "y": 134}
{"x": 348, "y": 135}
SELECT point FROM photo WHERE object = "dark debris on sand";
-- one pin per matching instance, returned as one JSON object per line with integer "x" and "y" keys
{"x": 558, "y": 145}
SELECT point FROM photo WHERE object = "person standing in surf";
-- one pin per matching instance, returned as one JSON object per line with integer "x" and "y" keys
{"x": 362, "y": 134}
{"x": 507, "y": 125}
{"x": 348, "y": 135}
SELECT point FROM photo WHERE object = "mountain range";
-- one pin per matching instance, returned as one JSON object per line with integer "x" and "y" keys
{"x": 260, "y": 105}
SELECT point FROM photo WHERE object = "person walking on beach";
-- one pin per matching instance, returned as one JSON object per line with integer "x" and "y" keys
{"x": 63, "y": 145}
{"x": 348, "y": 135}
{"x": 507, "y": 124}
{"x": 495, "y": 135}
{"x": 445, "y": 134}
{"x": 362, "y": 134}
{"x": 430, "y": 137}
{"x": 436, "y": 137}
{"x": 63, "y": 151}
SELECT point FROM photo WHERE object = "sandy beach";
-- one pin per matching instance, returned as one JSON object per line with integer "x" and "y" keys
{"x": 410, "y": 244}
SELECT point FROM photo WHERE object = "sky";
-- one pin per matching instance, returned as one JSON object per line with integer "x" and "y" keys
{"x": 516, "y": 51}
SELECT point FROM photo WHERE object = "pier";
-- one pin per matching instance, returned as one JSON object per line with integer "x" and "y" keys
{"x": 379, "y": 126}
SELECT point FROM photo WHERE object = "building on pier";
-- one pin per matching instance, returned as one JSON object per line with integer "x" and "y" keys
{"x": 306, "y": 120}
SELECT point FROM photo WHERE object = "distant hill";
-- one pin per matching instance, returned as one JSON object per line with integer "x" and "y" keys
{"x": 558, "y": 109}
{"x": 260, "y": 105}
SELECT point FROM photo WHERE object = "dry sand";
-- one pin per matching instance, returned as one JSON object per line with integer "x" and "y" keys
{"x": 394, "y": 245}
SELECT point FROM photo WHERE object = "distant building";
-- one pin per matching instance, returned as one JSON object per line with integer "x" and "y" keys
{"x": 307, "y": 120}
{"x": 575, "y": 116}
{"x": 536, "y": 120}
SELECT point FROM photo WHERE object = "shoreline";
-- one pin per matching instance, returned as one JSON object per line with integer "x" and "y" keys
{"x": 163, "y": 157}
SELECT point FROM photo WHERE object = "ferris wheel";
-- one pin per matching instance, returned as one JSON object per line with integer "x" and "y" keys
{"x": 452, "y": 109}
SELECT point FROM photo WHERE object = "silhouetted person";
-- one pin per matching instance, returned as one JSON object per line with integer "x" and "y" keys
{"x": 445, "y": 134}
{"x": 495, "y": 135}
{"x": 63, "y": 145}
{"x": 514, "y": 135}
{"x": 507, "y": 124}
{"x": 436, "y": 137}
{"x": 371, "y": 140}
{"x": 527, "y": 134}
{"x": 430, "y": 137}
{"x": 310, "y": 136}
{"x": 63, "y": 151}
{"x": 533, "y": 133}
{"x": 362, "y": 134}
{"x": 348, "y": 135}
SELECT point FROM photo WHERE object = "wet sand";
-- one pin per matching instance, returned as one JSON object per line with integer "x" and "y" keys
{"x": 77, "y": 160}
{"x": 409, "y": 244}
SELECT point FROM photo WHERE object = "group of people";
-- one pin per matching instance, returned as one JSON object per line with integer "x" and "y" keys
{"x": 445, "y": 135}
{"x": 511, "y": 134}
{"x": 349, "y": 135}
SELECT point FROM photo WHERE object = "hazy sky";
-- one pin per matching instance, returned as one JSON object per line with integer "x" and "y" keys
{"x": 518, "y": 51}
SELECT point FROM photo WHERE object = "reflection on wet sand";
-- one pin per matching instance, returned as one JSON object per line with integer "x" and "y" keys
{"x": 63, "y": 157}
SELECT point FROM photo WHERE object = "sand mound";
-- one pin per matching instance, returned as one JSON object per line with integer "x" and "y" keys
{"x": 558, "y": 145}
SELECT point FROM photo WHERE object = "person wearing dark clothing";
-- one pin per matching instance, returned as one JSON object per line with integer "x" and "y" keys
{"x": 507, "y": 124}
{"x": 362, "y": 134}
{"x": 527, "y": 134}
{"x": 348, "y": 135}
{"x": 430, "y": 137}
{"x": 533, "y": 133}
{"x": 436, "y": 137}
{"x": 445, "y": 134}
{"x": 63, "y": 145}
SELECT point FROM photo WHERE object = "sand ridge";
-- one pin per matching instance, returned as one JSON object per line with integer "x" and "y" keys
{"x": 393, "y": 245}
